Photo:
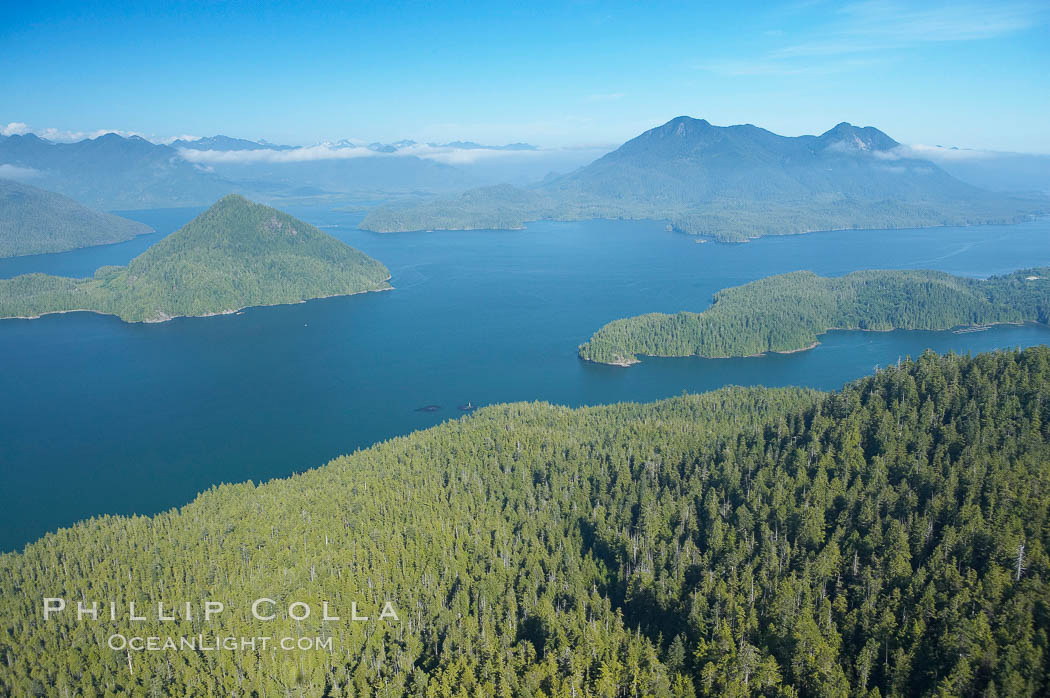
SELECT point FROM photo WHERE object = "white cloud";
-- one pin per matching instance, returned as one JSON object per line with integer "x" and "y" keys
{"x": 878, "y": 25}
{"x": 464, "y": 156}
{"x": 15, "y": 128}
{"x": 882, "y": 27}
{"x": 171, "y": 139}
{"x": 325, "y": 151}
{"x": 16, "y": 172}
{"x": 918, "y": 151}
{"x": 779, "y": 67}
{"x": 940, "y": 153}
{"x": 341, "y": 150}
{"x": 307, "y": 154}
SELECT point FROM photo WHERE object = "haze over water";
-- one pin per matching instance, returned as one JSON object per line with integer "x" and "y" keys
{"x": 104, "y": 417}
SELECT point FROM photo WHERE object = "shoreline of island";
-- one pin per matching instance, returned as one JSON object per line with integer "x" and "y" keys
{"x": 625, "y": 363}
{"x": 713, "y": 237}
{"x": 753, "y": 316}
{"x": 168, "y": 318}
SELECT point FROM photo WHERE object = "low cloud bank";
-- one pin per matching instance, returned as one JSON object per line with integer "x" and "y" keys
{"x": 439, "y": 153}
{"x": 18, "y": 173}
{"x": 938, "y": 153}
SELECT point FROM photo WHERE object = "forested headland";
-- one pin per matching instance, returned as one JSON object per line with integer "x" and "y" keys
{"x": 889, "y": 539}
{"x": 34, "y": 221}
{"x": 787, "y": 312}
{"x": 234, "y": 255}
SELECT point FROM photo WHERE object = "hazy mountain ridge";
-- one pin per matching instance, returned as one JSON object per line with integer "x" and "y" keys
{"x": 736, "y": 182}
{"x": 220, "y": 142}
{"x": 35, "y": 221}
{"x": 376, "y": 176}
{"x": 732, "y": 182}
{"x": 112, "y": 172}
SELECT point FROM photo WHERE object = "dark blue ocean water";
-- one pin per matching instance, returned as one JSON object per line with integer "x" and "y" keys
{"x": 98, "y": 416}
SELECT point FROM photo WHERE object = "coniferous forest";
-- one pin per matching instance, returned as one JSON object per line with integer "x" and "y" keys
{"x": 452, "y": 490}
{"x": 887, "y": 539}
{"x": 234, "y": 255}
{"x": 787, "y": 312}
{"x": 34, "y": 221}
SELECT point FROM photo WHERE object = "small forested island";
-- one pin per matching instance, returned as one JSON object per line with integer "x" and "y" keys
{"x": 732, "y": 183}
{"x": 787, "y": 312}
{"x": 34, "y": 221}
{"x": 234, "y": 255}
{"x": 890, "y": 539}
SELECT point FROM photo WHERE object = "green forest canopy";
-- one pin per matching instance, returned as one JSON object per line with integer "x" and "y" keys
{"x": 234, "y": 255}
{"x": 34, "y": 221}
{"x": 788, "y": 311}
{"x": 889, "y": 539}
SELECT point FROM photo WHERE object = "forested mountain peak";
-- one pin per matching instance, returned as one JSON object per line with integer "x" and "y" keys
{"x": 856, "y": 138}
{"x": 234, "y": 255}
{"x": 685, "y": 136}
{"x": 690, "y": 164}
{"x": 734, "y": 183}
{"x": 681, "y": 127}
{"x": 236, "y": 225}
{"x": 742, "y": 145}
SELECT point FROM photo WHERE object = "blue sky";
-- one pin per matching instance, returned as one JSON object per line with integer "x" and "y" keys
{"x": 971, "y": 74}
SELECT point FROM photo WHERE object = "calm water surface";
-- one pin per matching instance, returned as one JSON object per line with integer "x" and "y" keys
{"x": 98, "y": 416}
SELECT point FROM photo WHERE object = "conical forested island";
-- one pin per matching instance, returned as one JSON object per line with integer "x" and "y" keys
{"x": 889, "y": 539}
{"x": 234, "y": 255}
{"x": 787, "y": 312}
{"x": 35, "y": 221}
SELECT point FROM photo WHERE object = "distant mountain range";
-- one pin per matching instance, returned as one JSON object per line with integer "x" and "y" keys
{"x": 225, "y": 143}
{"x": 471, "y": 145}
{"x": 732, "y": 183}
{"x": 235, "y": 254}
{"x": 34, "y": 221}
{"x": 113, "y": 172}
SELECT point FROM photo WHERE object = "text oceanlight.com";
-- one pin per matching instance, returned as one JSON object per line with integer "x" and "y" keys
{"x": 206, "y": 643}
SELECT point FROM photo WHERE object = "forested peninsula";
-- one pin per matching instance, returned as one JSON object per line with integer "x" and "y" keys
{"x": 889, "y": 539}
{"x": 234, "y": 255}
{"x": 787, "y": 312}
{"x": 34, "y": 221}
